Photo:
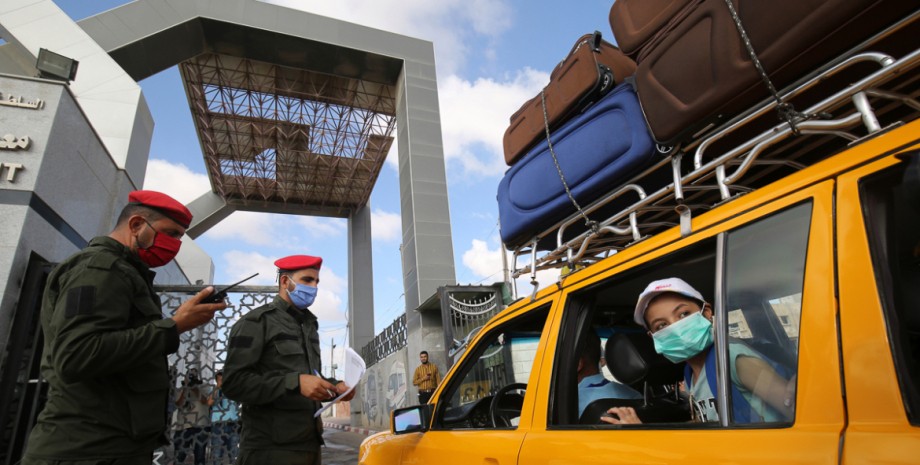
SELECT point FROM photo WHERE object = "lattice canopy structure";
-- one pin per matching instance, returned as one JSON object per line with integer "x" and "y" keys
{"x": 274, "y": 133}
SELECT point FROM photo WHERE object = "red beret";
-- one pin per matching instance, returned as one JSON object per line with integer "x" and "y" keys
{"x": 163, "y": 204}
{"x": 298, "y": 262}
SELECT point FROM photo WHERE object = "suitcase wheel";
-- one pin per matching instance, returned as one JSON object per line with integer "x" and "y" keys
{"x": 606, "y": 80}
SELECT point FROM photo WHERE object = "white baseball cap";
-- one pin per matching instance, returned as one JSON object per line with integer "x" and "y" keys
{"x": 661, "y": 286}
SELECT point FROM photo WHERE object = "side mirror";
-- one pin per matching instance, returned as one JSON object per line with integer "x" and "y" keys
{"x": 413, "y": 419}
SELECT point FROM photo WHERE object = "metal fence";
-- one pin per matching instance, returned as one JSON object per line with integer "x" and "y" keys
{"x": 464, "y": 310}
{"x": 391, "y": 339}
{"x": 204, "y": 425}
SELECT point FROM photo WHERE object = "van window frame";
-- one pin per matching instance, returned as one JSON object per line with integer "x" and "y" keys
{"x": 563, "y": 376}
{"x": 471, "y": 358}
{"x": 872, "y": 203}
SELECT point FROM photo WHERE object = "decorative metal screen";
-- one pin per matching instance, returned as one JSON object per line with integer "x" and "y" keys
{"x": 203, "y": 433}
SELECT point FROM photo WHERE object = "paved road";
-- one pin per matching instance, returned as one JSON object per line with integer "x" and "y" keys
{"x": 341, "y": 447}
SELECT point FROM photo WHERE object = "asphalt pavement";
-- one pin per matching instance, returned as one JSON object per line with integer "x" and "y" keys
{"x": 342, "y": 442}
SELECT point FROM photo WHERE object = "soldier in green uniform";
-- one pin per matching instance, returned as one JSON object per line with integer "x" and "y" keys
{"x": 273, "y": 368}
{"x": 106, "y": 341}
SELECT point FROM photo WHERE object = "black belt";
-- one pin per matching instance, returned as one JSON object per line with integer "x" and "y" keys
{"x": 425, "y": 391}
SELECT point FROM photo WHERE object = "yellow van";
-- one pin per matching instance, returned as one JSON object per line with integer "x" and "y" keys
{"x": 814, "y": 265}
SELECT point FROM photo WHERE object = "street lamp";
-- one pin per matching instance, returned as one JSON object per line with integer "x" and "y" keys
{"x": 332, "y": 365}
{"x": 55, "y": 66}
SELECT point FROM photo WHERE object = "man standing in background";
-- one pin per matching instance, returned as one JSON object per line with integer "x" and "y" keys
{"x": 426, "y": 379}
{"x": 193, "y": 419}
{"x": 225, "y": 424}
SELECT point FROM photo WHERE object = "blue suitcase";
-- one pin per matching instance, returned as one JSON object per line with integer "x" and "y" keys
{"x": 597, "y": 150}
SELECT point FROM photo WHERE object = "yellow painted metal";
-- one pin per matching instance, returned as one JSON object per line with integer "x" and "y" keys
{"x": 870, "y": 426}
{"x": 878, "y": 430}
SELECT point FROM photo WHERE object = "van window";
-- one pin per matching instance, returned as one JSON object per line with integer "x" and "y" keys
{"x": 764, "y": 278}
{"x": 488, "y": 391}
{"x": 891, "y": 208}
{"x": 762, "y": 282}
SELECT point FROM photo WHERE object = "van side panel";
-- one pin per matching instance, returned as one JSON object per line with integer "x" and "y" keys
{"x": 877, "y": 430}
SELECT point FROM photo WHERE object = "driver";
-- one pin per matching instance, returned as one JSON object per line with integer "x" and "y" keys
{"x": 592, "y": 384}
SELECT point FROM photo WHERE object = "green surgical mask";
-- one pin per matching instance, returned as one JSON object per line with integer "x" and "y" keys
{"x": 684, "y": 339}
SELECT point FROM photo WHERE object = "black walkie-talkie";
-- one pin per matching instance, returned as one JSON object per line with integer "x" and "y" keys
{"x": 219, "y": 296}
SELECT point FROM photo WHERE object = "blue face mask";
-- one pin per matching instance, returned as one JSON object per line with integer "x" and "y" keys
{"x": 302, "y": 296}
{"x": 684, "y": 339}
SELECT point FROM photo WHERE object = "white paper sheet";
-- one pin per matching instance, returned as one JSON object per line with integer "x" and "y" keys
{"x": 354, "y": 369}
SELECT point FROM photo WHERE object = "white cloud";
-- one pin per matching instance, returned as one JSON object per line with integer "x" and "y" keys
{"x": 488, "y": 17}
{"x": 321, "y": 227}
{"x": 392, "y": 159}
{"x": 474, "y": 116}
{"x": 481, "y": 260}
{"x": 259, "y": 229}
{"x": 185, "y": 185}
{"x": 177, "y": 180}
{"x": 486, "y": 264}
{"x": 270, "y": 229}
{"x": 329, "y": 307}
{"x": 244, "y": 264}
{"x": 450, "y": 24}
{"x": 386, "y": 226}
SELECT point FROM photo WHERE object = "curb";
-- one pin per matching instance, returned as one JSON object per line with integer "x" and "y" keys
{"x": 349, "y": 428}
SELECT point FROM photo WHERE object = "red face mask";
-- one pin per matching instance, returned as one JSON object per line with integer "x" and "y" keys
{"x": 161, "y": 252}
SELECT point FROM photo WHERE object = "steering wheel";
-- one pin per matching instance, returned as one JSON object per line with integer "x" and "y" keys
{"x": 496, "y": 413}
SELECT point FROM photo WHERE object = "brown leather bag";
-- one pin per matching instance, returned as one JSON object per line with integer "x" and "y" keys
{"x": 638, "y": 24}
{"x": 699, "y": 73}
{"x": 590, "y": 70}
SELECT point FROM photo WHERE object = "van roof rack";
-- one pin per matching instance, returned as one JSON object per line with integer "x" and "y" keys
{"x": 866, "y": 89}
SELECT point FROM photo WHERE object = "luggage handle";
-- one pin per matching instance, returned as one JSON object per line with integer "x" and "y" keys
{"x": 596, "y": 42}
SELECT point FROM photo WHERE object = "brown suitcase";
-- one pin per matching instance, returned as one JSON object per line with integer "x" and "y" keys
{"x": 590, "y": 70}
{"x": 636, "y": 24}
{"x": 700, "y": 74}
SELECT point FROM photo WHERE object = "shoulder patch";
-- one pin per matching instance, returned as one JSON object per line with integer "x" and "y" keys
{"x": 242, "y": 342}
{"x": 104, "y": 261}
{"x": 80, "y": 301}
{"x": 256, "y": 314}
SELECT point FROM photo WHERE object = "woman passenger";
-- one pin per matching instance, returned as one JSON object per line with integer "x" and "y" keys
{"x": 680, "y": 322}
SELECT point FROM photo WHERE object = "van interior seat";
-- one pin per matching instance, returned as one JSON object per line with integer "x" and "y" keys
{"x": 632, "y": 360}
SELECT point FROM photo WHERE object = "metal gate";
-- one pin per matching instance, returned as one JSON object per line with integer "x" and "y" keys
{"x": 22, "y": 391}
{"x": 204, "y": 425}
{"x": 464, "y": 310}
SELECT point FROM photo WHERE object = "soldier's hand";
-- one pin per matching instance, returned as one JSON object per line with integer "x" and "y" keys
{"x": 341, "y": 388}
{"x": 316, "y": 388}
{"x": 192, "y": 314}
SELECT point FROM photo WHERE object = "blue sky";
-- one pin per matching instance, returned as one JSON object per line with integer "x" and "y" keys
{"x": 491, "y": 55}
